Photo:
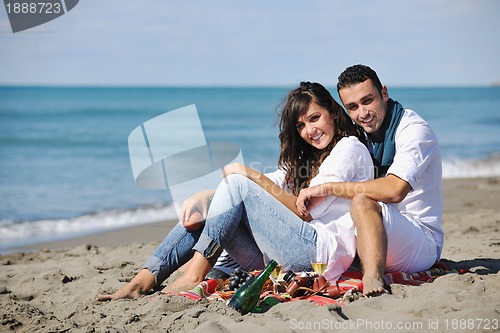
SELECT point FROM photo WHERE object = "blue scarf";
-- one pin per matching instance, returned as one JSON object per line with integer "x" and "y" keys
{"x": 384, "y": 148}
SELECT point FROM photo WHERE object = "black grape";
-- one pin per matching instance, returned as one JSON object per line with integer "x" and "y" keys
{"x": 238, "y": 278}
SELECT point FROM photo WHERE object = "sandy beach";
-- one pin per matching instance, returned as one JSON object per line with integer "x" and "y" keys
{"x": 52, "y": 287}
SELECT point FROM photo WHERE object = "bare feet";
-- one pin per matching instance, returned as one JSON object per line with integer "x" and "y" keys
{"x": 373, "y": 286}
{"x": 183, "y": 283}
{"x": 195, "y": 273}
{"x": 141, "y": 284}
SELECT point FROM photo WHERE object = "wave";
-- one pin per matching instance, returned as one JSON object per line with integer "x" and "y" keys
{"x": 15, "y": 234}
{"x": 472, "y": 168}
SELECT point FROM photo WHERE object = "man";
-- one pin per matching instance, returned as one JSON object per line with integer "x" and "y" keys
{"x": 398, "y": 215}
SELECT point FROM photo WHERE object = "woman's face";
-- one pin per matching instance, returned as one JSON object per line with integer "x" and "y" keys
{"x": 315, "y": 126}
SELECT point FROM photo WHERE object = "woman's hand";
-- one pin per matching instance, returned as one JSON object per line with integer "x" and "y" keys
{"x": 309, "y": 198}
{"x": 195, "y": 209}
{"x": 235, "y": 168}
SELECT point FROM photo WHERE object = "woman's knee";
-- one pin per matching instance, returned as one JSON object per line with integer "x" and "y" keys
{"x": 238, "y": 185}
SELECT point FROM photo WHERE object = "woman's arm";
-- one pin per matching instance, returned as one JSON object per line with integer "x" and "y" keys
{"x": 260, "y": 179}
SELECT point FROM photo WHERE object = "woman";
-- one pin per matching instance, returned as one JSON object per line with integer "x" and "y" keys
{"x": 252, "y": 215}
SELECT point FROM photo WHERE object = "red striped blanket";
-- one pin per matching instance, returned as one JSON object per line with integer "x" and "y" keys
{"x": 349, "y": 284}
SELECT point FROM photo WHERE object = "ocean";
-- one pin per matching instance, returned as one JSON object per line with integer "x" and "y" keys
{"x": 65, "y": 169}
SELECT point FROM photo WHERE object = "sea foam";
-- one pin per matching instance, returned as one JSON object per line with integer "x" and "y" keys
{"x": 22, "y": 233}
{"x": 472, "y": 168}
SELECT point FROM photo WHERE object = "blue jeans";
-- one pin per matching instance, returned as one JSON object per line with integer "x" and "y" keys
{"x": 248, "y": 223}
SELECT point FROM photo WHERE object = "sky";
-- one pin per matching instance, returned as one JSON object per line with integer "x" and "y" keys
{"x": 256, "y": 43}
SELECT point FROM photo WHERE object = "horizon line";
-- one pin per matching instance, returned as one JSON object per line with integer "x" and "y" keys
{"x": 224, "y": 86}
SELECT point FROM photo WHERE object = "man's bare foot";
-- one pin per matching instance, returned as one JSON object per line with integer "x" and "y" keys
{"x": 373, "y": 286}
{"x": 140, "y": 285}
{"x": 183, "y": 283}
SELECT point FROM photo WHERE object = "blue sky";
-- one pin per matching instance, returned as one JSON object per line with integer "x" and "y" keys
{"x": 248, "y": 43}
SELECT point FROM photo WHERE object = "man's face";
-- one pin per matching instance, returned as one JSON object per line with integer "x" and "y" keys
{"x": 365, "y": 105}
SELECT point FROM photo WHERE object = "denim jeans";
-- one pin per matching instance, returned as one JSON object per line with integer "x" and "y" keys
{"x": 248, "y": 223}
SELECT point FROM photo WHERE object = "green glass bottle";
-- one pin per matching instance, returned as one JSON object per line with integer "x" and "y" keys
{"x": 247, "y": 296}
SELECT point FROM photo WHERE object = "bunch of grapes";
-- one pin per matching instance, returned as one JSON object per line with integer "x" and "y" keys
{"x": 238, "y": 278}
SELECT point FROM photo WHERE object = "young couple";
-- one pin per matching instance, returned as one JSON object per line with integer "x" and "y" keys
{"x": 323, "y": 196}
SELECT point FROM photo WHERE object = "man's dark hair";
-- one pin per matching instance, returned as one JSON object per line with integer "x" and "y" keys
{"x": 357, "y": 74}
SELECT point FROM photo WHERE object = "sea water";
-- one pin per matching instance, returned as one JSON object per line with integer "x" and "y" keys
{"x": 64, "y": 163}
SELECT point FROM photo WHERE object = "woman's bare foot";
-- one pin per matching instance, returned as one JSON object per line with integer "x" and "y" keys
{"x": 141, "y": 284}
{"x": 183, "y": 283}
{"x": 195, "y": 273}
{"x": 373, "y": 286}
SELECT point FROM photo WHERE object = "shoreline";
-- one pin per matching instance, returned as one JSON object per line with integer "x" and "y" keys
{"x": 143, "y": 233}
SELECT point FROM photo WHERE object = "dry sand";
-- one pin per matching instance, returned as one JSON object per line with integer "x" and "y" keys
{"x": 52, "y": 287}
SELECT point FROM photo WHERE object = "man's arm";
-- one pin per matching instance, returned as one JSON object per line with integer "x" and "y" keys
{"x": 390, "y": 189}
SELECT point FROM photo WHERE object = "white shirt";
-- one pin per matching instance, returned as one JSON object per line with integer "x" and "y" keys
{"x": 349, "y": 161}
{"x": 418, "y": 162}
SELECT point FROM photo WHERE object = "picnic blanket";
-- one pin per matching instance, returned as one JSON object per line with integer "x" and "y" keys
{"x": 350, "y": 285}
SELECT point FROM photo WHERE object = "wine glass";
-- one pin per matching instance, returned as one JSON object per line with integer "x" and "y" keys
{"x": 319, "y": 260}
{"x": 275, "y": 274}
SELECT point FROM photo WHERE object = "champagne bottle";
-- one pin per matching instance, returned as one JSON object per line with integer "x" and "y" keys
{"x": 247, "y": 296}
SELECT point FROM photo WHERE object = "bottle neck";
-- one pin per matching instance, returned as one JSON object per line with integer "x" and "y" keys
{"x": 270, "y": 267}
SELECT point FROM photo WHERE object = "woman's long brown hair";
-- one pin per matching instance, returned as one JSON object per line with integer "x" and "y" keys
{"x": 299, "y": 159}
